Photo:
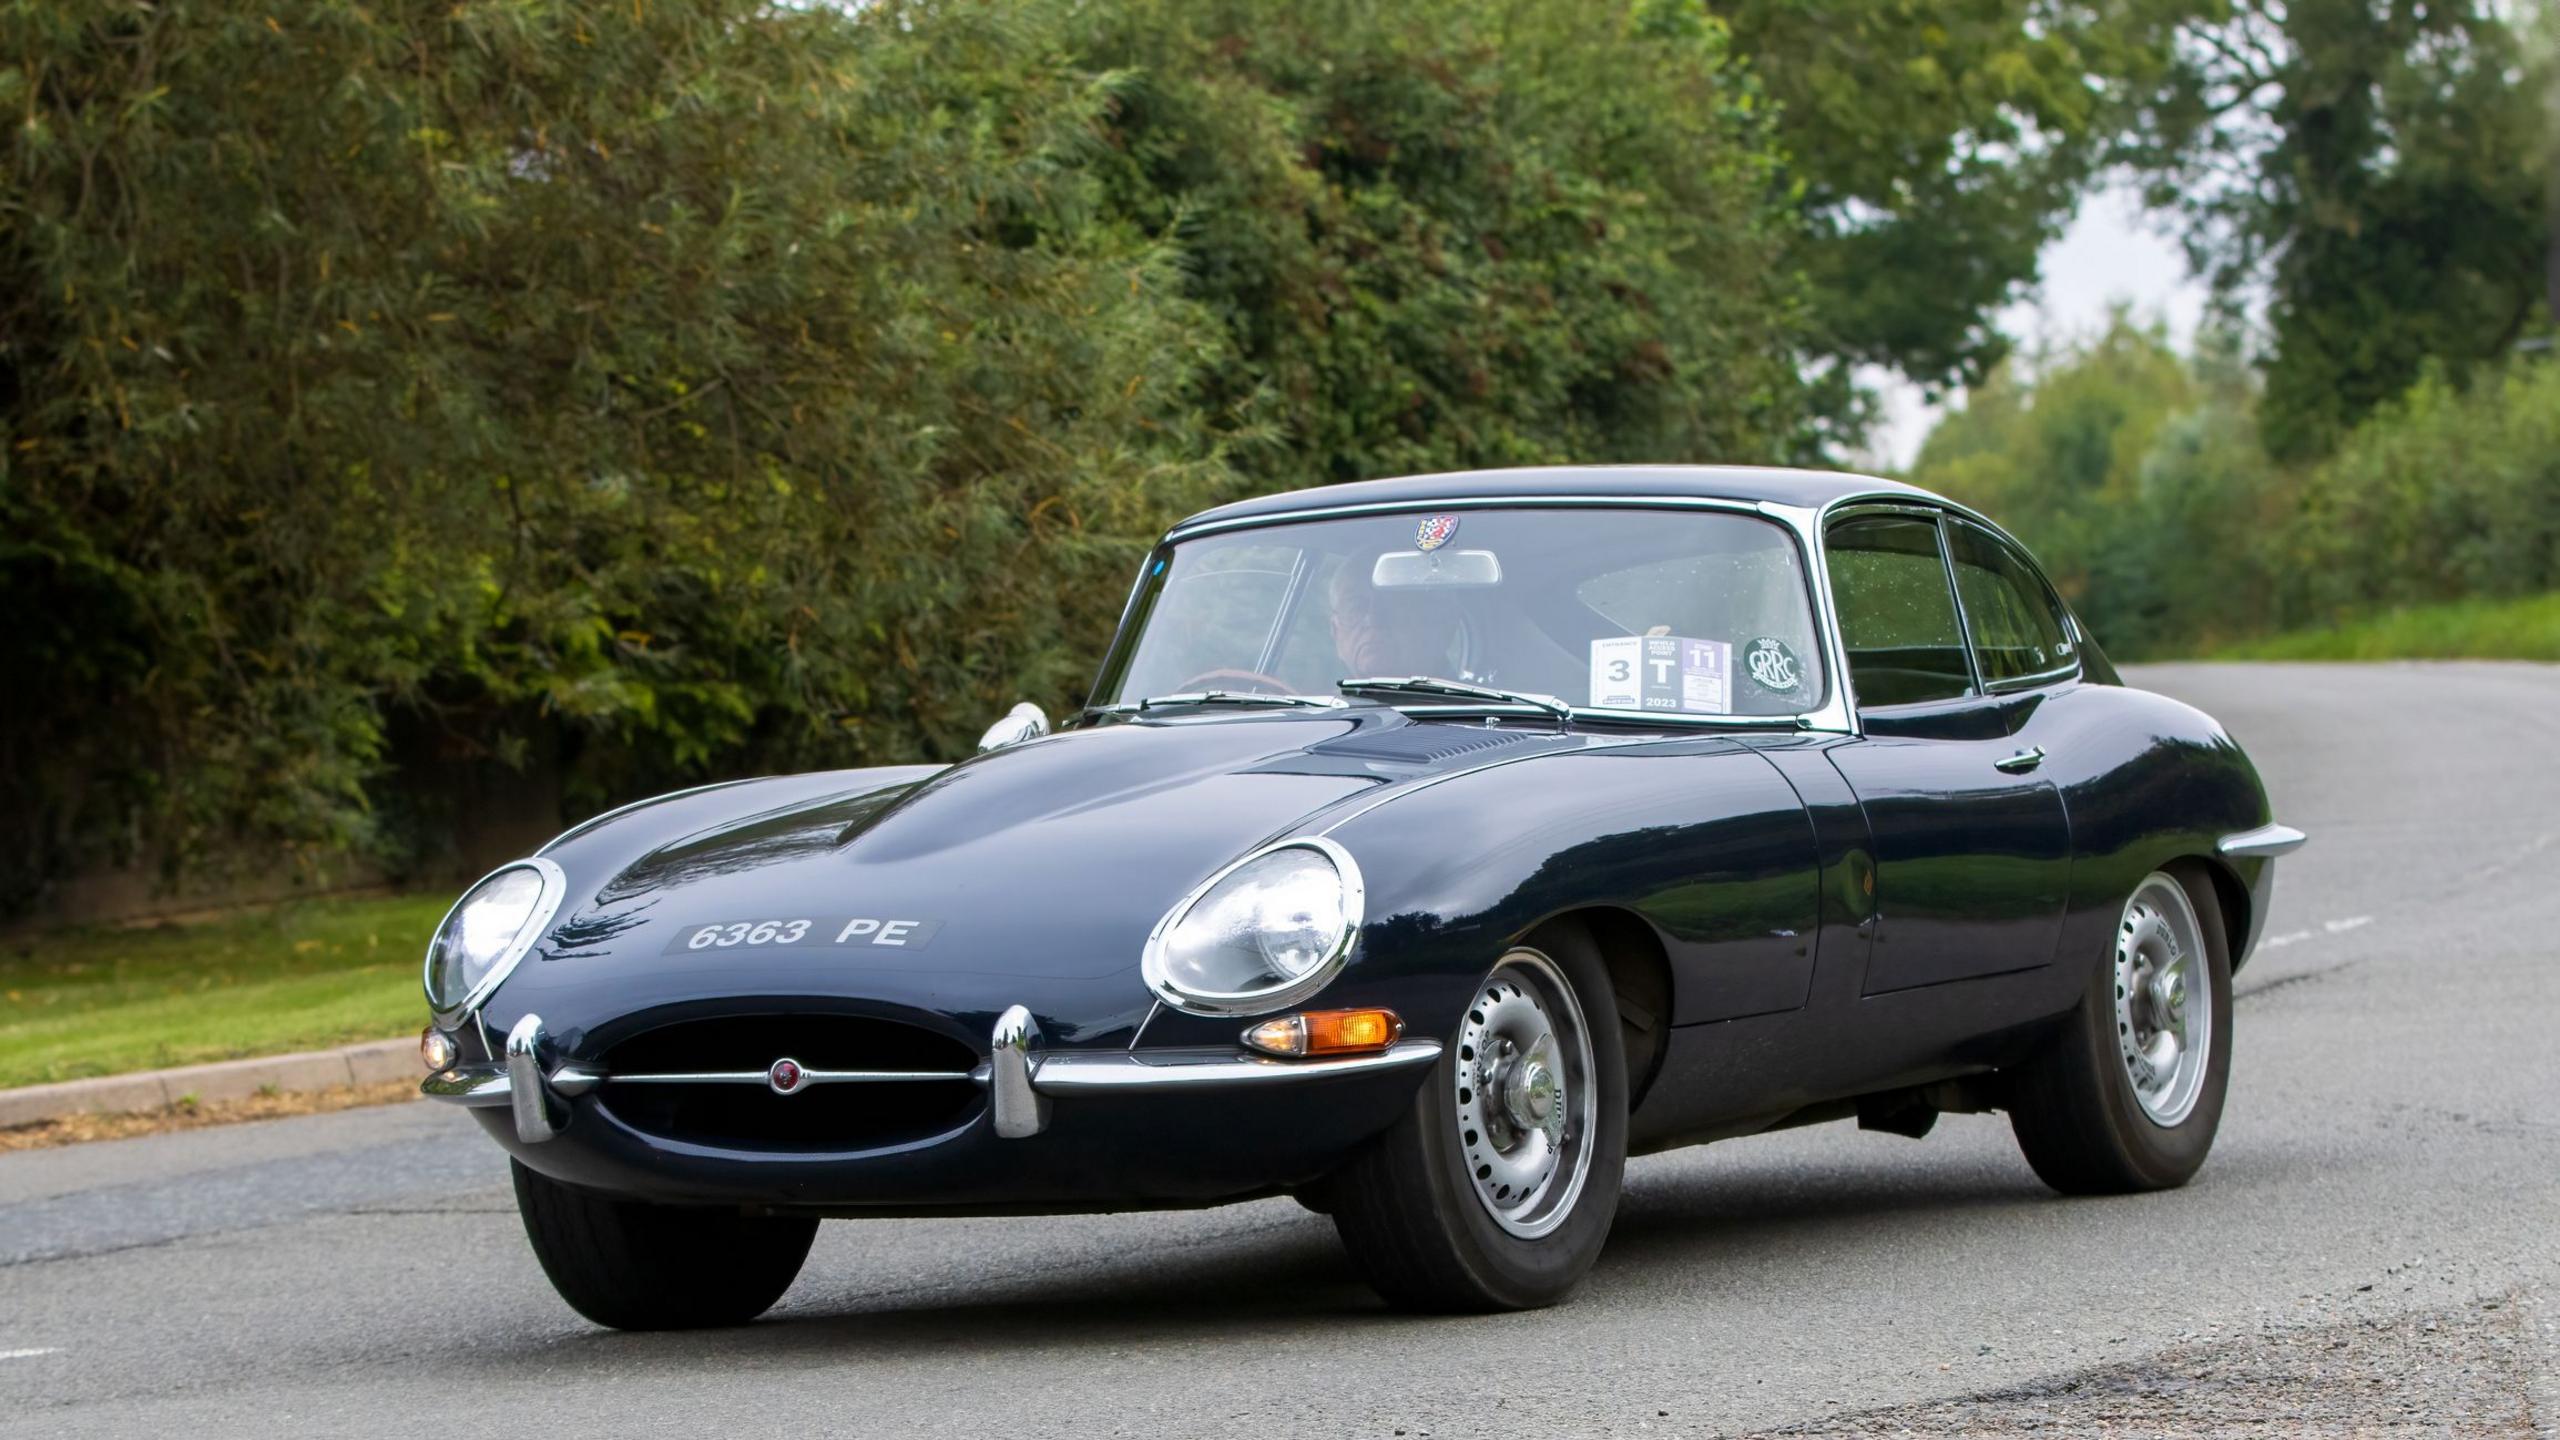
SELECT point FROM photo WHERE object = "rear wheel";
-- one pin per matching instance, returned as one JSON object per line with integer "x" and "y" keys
{"x": 2128, "y": 1096}
{"x": 637, "y": 1266}
{"x": 1496, "y": 1188}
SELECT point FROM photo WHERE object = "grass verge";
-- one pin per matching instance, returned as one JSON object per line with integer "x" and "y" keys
{"x": 2464, "y": 630}
{"x": 125, "y": 1124}
{"x": 305, "y": 976}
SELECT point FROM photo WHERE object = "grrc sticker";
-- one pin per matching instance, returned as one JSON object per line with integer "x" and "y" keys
{"x": 1772, "y": 666}
{"x": 1434, "y": 532}
{"x": 1662, "y": 672}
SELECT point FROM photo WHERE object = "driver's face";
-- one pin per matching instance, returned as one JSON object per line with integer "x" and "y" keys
{"x": 1383, "y": 634}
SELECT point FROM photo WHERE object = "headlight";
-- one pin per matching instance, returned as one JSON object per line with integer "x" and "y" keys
{"x": 1266, "y": 931}
{"x": 489, "y": 929}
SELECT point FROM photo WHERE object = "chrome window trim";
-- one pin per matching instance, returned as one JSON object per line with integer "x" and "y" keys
{"x": 1191, "y": 530}
{"x": 1908, "y": 507}
{"x": 2017, "y": 684}
{"x": 546, "y": 907}
{"x": 1955, "y": 592}
{"x": 1278, "y": 997}
{"x": 1941, "y": 509}
{"x": 1835, "y": 715}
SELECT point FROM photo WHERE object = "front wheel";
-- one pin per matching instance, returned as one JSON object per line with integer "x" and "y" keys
{"x": 2128, "y": 1096}
{"x": 637, "y": 1266}
{"x": 1496, "y": 1188}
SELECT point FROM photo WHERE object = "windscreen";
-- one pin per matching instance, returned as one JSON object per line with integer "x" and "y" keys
{"x": 1670, "y": 611}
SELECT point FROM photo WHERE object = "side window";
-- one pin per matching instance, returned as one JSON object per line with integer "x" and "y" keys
{"x": 1897, "y": 618}
{"x": 2016, "y": 624}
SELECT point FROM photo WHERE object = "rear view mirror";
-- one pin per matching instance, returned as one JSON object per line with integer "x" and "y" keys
{"x": 1023, "y": 722}
{"x": 1399, "y": 569}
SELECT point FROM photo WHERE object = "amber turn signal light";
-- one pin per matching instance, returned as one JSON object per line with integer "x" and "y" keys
{"x": 1326, "y": 1032}
{"x": 436, "y": 1050}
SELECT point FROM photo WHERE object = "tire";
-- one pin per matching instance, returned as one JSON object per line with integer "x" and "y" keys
{"x": 2085, "y": 1125}
{"x": 636, "y": 1266}
{"x": 1408, "y": 1205}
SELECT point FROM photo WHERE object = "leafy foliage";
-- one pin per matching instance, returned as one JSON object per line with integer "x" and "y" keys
{"x": 2140, "y": 479}
{"x": 1444, "y": 235}
{"x": 707, "y": 384}
{"x": 593, "y": 399}
{"x": 1935, "y": 148}
{"x": 2383, "y": 169}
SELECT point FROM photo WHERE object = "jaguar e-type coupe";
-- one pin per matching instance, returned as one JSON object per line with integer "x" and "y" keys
{"x": 1425, "y": 848}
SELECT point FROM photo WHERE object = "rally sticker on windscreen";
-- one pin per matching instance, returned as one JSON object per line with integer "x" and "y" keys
{"x": 806, "y": 932}
{"x": 1662, "y": 672}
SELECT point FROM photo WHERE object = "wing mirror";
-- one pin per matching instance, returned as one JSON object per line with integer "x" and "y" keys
{"x": 1022, "y": 722}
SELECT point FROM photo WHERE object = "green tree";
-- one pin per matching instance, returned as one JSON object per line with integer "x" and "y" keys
{"x": 664, "y": 389}
{"x": 414, "y": 413}
{"x": 1934, "y": 149}
{"x": 2136, "y": 476}
{"x": 2381, "y": 169}
{"x": 1446, "y": 234}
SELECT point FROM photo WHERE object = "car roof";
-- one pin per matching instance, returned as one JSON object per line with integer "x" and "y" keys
{"x": 1751, "y": 484}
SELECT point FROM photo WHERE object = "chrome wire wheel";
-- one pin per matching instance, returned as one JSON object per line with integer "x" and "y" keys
{"x": 1528, "y": 1095}
{"x": 2164, "y": 1000}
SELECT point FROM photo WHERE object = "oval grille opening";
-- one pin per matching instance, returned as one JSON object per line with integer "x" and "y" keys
{"x": 820, "y": 1117}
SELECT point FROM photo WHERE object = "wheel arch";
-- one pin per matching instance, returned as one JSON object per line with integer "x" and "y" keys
{"x": 1640, "y": 974}
{"x": 2231, "y": 896}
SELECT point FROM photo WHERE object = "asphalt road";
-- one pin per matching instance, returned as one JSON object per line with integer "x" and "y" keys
{"x": 2368, "y": 1249}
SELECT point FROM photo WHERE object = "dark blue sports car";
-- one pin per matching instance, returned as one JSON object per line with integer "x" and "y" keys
{"x": 1426, "y": 848}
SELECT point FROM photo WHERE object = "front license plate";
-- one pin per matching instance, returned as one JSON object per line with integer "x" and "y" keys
{"x": 804, "y": 932}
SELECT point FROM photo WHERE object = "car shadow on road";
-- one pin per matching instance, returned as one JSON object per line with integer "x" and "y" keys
{"x": 1280, "y": 1274}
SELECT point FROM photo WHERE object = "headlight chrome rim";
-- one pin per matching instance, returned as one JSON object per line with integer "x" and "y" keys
{"x": 1153, "y": 965}
{"x": 546, "y": 906}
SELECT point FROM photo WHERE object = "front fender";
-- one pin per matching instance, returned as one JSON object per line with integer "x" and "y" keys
{"x": 1700, "y": 838}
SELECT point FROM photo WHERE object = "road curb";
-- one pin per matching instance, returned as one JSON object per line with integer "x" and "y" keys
{"x": 368, "y": 1064}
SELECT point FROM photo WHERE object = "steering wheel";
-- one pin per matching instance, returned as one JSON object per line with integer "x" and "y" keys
{"x": 1235, "y": 679}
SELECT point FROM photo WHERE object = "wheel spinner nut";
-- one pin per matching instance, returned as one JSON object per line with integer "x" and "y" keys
{"x": 2169, "y": 996}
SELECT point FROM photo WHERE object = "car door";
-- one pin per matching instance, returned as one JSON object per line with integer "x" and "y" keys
{"x": 1971, "y": 846}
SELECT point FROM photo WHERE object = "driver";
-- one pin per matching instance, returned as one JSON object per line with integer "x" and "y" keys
{"x": 1399, "y": 631}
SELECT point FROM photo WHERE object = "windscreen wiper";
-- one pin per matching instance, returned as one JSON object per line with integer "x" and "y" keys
{"x": 1460, "y": 689}
{"x": 1232, "y": 697}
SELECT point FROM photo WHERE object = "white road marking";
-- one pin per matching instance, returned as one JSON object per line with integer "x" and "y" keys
{"x": 30, "y": 1354}
{"x": 2334, "y": 927}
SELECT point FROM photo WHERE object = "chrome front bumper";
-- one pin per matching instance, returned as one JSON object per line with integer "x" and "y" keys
{"x": 1020, "y": 1080}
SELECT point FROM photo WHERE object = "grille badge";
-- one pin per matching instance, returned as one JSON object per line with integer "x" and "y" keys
{"x": 786, "y": 1077}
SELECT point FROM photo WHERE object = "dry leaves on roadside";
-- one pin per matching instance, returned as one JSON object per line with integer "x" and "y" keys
{"x": 124, "y": 1124}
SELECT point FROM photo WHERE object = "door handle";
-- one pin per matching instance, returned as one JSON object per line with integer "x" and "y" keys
{"x": 2022, "y": 762}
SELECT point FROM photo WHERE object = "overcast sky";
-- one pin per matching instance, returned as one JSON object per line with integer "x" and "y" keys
{"x": 2112, "y": 253}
